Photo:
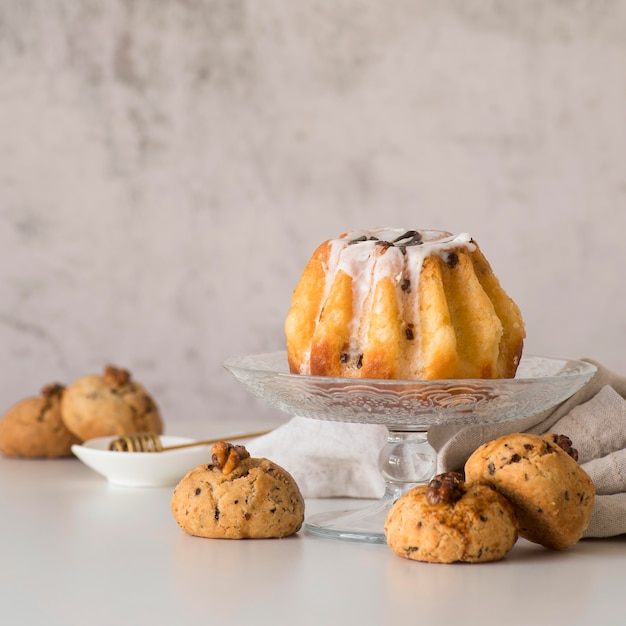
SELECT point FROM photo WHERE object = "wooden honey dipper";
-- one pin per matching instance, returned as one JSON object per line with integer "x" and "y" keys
{"x": 151, "y": 442}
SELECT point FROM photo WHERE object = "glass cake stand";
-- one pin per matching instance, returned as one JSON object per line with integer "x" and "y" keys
{"x": 407, "y": 409}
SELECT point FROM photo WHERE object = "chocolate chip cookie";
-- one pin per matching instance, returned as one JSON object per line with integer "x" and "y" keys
{"x": 238, "y": 497}
{"x": 33, "y": 427}
{"x": 450, "y": 521}
{"x": 539, "y": 474}
{"x": 109, "y": 404}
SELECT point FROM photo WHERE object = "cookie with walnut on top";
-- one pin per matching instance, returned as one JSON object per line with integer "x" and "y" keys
{"x": 112, "y": 403}
{"x": 450, "y": 521}
{"x": 236, "y": 496}
{"x": 33, "y": 428}
{"x": 552, "y": 494}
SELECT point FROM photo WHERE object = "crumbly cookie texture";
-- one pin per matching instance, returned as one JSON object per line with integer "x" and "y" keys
{"x": 552, "y": 495}
{"x": 238, "y": 497}
{"x": 109, "y": 404}
{"x": 33, "y": 427}
{"x": 450, "y": 521}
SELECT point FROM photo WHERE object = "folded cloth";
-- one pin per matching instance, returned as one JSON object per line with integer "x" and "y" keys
{"x": 327, "y": 459}
{"x": 330, "y": 459}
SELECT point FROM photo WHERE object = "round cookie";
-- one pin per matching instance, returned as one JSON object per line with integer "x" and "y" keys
{"x": 110, "y": 404}
{"x": 33, "y": 427}
{"x": 552, "y": 495}
{"x": 449, "y": 520}
{"x": 238, "y": 497}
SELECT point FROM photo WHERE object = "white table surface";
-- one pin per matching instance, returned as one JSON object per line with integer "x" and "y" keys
{"x": 76, "y": 550}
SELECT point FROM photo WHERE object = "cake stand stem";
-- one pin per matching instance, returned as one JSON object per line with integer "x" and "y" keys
{"x": 406, "y": 460}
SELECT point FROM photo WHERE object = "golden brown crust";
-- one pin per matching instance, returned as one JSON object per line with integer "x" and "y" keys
{"x": 477, "y": 328}
{"x": 331, "y": 334}
{"x": 254, "y": 499}
{"x": 474, "y": 526}
{"x": 33, "y": 427}
{"x": 109, "y": 404}
{"x": 307, "y": 297}
{"x": 436, "y": 351}
{"x": 552, "y": 495}
{"x": 513, "y": 331}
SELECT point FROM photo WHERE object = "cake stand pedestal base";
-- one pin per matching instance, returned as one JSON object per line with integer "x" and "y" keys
{"x": 405, "y": 461}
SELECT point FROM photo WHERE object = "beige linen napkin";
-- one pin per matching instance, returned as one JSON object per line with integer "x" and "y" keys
{"x": 327, "y": 459}
{"x": 330, "y": 459}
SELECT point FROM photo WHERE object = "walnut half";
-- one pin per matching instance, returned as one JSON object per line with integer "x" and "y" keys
{"x": 445, "y": 488}
{"x": 564, "y": 442}
{"x": 116, "y": 376}
{"x": 227, "y": 456}
{"x": 51, "y": 390}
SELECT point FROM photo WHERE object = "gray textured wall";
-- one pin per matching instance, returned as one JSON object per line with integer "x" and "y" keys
{"x": 167, "y": 168}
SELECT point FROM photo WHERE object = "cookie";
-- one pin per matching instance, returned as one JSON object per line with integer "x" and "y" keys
{"x": 238, "y": 497}
{"x": 450, "y": 521}
{"x": 33, "y": 427}
{"x": 110, "y": 404}
{"x": 552, "y": 495}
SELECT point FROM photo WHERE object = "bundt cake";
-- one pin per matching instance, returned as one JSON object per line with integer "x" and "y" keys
{"x": 402, "y": 304}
